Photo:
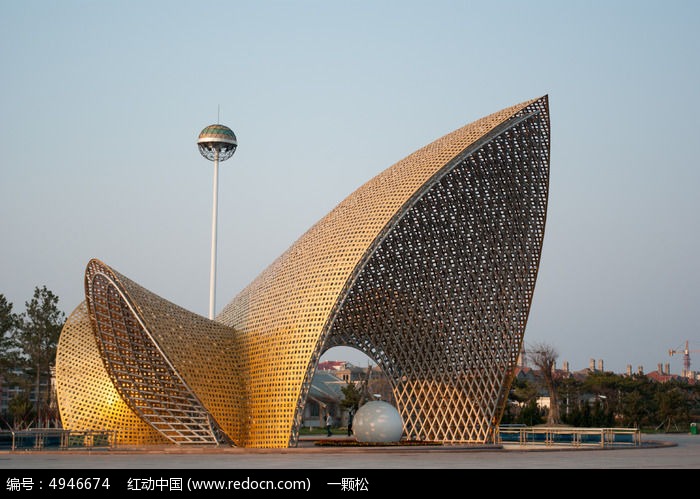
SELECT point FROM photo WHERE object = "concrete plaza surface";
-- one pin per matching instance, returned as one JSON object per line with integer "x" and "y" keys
{"x": 659, "y": 451}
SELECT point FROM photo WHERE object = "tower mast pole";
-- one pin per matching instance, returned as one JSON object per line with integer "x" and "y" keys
{"x": 212, "y": 273}
{"x": 216, "y": 143}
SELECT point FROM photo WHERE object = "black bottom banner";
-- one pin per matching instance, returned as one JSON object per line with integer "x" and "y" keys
{"x": 102, "y": 483}
{"x": 280, "y": 482}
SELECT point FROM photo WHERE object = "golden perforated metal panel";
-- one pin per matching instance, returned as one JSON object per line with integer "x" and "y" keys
{"x": 87, "y": 399}
{"x": 429, "y": 268}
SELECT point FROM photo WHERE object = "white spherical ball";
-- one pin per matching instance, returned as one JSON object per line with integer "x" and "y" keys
{"x": 377, "y": 421}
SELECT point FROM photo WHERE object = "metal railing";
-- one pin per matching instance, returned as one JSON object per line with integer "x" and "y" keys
{"x": 576, "y": 437}
{"x": 54, "y": 438}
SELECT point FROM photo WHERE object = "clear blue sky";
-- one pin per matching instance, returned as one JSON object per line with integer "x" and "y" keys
{"x": 101, "y": 103}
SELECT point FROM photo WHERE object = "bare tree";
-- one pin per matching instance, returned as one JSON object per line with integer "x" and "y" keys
{"x": 544, "y": 357}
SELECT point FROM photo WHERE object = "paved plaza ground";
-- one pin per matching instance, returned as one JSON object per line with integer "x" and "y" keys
{"x": 659, "y": 451}
{"x": 324, "y": 471}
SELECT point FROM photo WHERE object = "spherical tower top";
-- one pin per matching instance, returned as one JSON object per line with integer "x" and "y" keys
{"x": 217, "y": 142}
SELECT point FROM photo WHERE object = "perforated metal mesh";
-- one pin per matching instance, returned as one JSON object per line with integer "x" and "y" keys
{"x": 429, "y": 268}
{"x": 87, "y": 399}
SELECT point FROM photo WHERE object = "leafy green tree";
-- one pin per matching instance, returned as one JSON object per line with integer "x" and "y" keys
{"x": 601, "y": 416}
{"x": 530, "y": 414}
{"x": 8, "y": 347}
{"x": 569, "y": 392}
{"x": 523, "y": 392}
{"x": 637, "y": 401}
{"x": 21, "y": 411}
{"x": 509, "y": 414}
{"x": 352, "y": 397}
{"x": 635, "y": 410}
{"x": 579, "y": 414}
{"x": 37, "y": 336}
{"x": 674, "y": 407}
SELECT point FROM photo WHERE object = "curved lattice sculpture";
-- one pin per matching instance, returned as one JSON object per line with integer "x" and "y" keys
{"x": 173, "y": 374}
{"x": 429, "y": 268}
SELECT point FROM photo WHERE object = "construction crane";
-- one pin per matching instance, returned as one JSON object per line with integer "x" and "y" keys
{"x": 686, "y": 358}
